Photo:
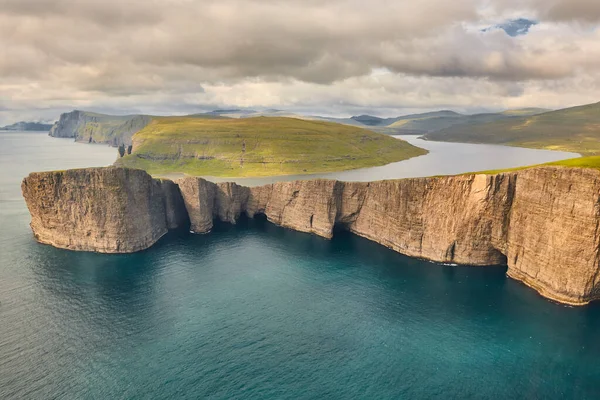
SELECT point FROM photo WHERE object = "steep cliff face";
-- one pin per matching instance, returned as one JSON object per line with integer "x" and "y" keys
{"x": 543, "y": 222}
{"x": 67, "y": 125}
{"x": 108, "y": 210}
{"x": 99, "y": 128}
{"x": 553, "y": 239}
{"x": 458, "y": 219}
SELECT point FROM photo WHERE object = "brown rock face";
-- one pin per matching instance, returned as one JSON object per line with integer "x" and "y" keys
{"x": 199, "y": 199}
{"x": 175, "y": 211}
{"x": 553, "y": 239}
{"x": 542, "y": 222}
{"x": 458, "y": 219}
{"x": 107, "y": 210}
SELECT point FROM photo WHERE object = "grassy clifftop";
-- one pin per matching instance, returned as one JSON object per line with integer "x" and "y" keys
{"x": 575, "y": 129}
{"x": 259, "y": 146}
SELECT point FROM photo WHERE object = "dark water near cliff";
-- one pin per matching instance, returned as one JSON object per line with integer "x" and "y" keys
{"x": 258, "y": 312}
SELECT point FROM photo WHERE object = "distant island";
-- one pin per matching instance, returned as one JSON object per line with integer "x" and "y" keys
{"x": 27, "y": 127}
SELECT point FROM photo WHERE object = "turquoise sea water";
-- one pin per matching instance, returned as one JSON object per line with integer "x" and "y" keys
{"x": 255, "y": 311}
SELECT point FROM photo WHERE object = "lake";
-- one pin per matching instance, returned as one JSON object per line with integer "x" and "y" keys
{"x": 443, "y": 159}
{"x": 255, "y": 311}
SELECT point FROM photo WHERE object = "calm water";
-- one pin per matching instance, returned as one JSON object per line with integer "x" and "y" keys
{"x": 443, "y": 159}
{"x": 259, "y": 312}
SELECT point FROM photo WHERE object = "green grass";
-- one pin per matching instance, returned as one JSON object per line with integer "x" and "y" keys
{"x": 574, "y": 129}
{"x": 580, "y": 162}
{"x": 261, "y": 146}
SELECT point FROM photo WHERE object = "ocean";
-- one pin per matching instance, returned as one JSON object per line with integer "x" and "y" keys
{"x": 255, "y": 311}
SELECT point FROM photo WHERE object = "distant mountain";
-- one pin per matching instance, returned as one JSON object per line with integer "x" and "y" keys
{"x": 438, "y": 120}
{"x": 575, "y": 129}
{"x": 368, "y": 120}
{"x": 403, "y": 125}
{"x": 27, "y": 126}
{"x": 91, "y": 127}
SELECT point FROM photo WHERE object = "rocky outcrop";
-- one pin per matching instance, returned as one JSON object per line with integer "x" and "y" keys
{"x": 542, "y": 222}
{"x": 91, "y": 127}
{"x": 108, "y": 210}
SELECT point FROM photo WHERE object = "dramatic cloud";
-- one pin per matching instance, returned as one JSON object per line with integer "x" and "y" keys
{"x": 334, "y": 57}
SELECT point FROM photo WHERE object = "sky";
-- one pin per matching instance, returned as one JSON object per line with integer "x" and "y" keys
{"x": 326, "y": 57}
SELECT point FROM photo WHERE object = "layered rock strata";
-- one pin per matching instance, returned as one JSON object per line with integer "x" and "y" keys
{"x": 542, "y": 222}
{"x": 107, "y": 210}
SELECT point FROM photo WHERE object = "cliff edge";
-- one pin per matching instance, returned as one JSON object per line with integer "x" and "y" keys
{"x": 106, "y": 210}
{"x": 541, "y": 222}
{"x": 91, "y": 127}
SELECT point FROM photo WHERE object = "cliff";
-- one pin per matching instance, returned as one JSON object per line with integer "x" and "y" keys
{"x": 99, "y": 128}
{"x": 108, "y": 210}
{"x": 542, "y": 222}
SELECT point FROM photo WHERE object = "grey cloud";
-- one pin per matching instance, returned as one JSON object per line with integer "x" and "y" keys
{"x": 154, "y": 54}
{"x": 101, "y": 12}
{"x": 586, "y": 11}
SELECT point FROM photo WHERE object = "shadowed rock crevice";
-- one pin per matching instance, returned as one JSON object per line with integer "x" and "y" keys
{"x": 541, "y": 222}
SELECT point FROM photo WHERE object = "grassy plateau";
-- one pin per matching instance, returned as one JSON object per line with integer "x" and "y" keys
{"x": 261, "y": 146}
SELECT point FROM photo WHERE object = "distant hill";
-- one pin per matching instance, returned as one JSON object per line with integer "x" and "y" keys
{"x": 259, "y": 146}
{"x": 370, "y": 120}
{"x": 91, "y": 127}
{"x": 523, "y": 112}
{"x": 402, "y": 125}
{"x": 27, "y": 126}
{"x": 575, "y": 129}
{"x": 426, "y": 122}
{"x": 435, "y": 121}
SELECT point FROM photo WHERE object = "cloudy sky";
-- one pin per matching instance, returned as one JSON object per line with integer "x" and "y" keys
{"x": 331, "y": 57}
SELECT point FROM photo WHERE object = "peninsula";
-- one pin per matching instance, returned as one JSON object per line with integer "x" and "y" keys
{"x": 541, "y": 222}
{"x": 259, "y": 146}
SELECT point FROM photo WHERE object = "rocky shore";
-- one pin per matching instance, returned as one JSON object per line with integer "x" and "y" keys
{"x": 541, "y": 222}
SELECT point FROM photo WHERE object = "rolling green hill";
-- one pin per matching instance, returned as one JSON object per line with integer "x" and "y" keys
{"x": 575, "y": 129}
{"x": 259, "y": 146}
{"x": 435, "y": 121}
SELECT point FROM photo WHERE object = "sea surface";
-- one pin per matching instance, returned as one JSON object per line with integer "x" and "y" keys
{"x": 254, "y": 311}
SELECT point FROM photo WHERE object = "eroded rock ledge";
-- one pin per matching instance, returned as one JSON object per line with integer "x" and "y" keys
{"x": 542, "y": 222}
